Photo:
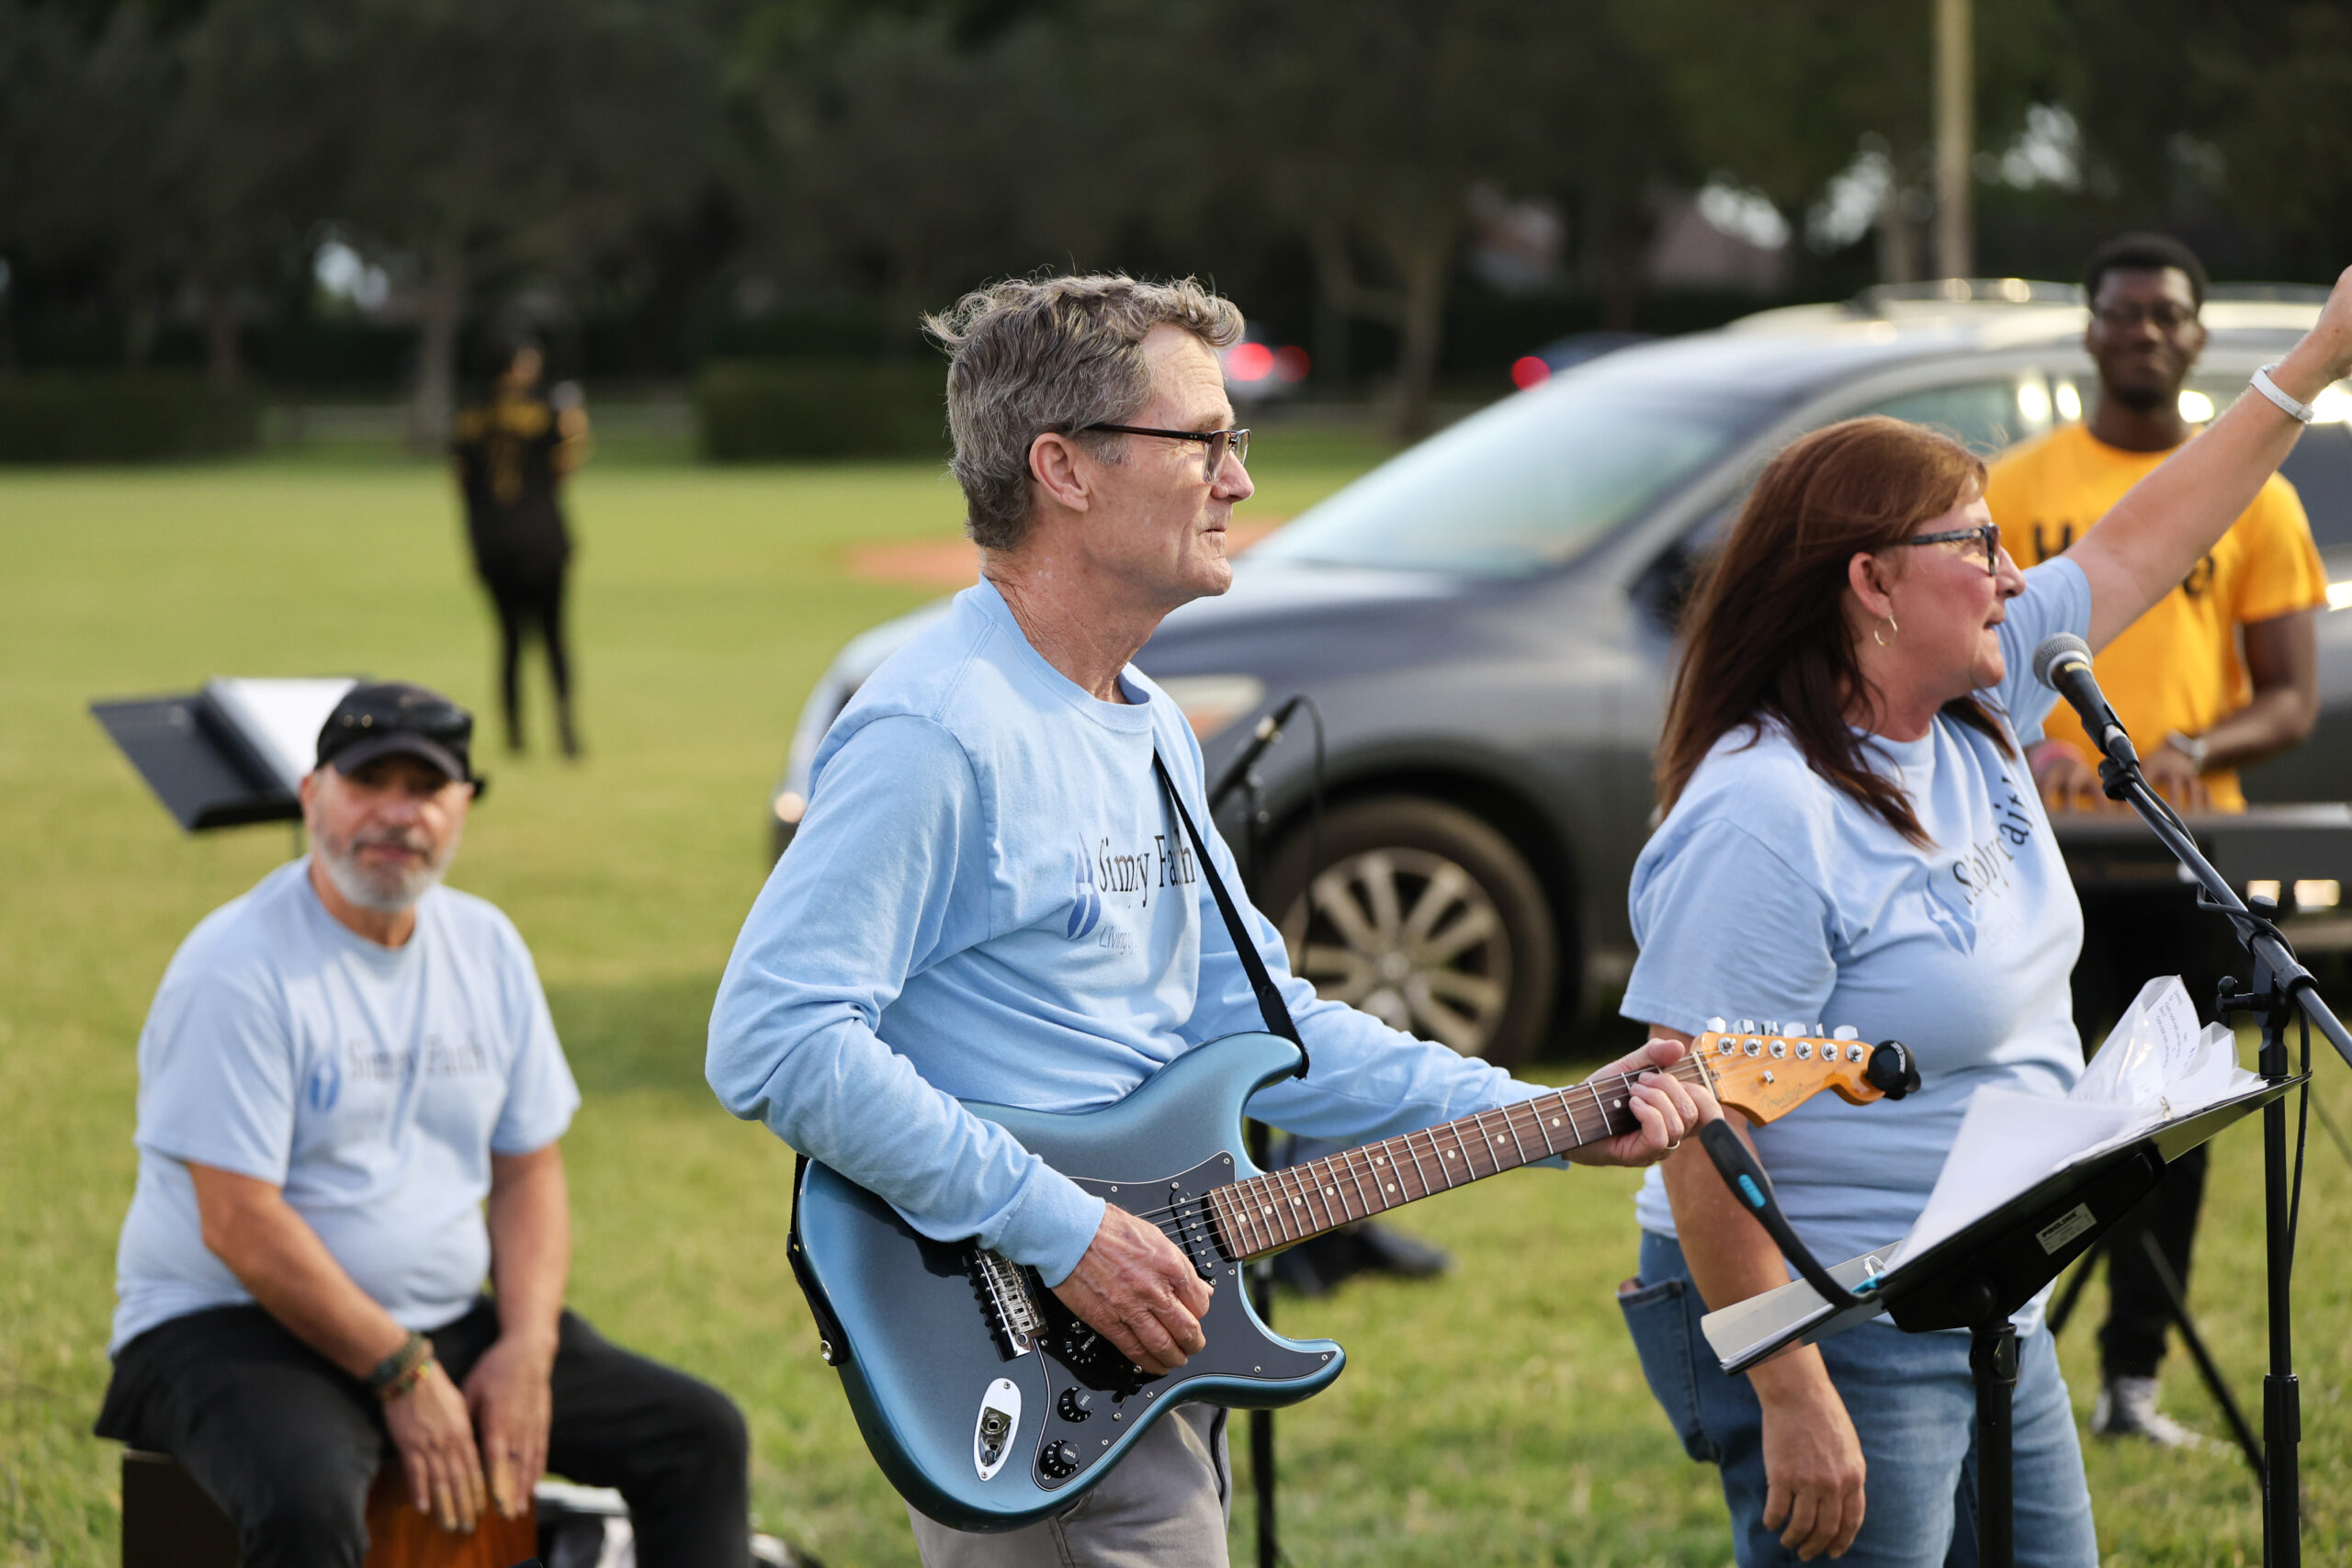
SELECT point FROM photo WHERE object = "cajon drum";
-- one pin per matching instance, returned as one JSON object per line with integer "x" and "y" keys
{"x": 168, "y": 1521}
{"x": 399, "y": 1536}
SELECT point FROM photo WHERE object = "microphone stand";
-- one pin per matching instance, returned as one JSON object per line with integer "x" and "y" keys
{"x": 2280, "y": 987}
{"x": 1242, "y": 774}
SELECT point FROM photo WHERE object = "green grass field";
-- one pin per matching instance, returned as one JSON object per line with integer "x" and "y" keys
{"x": 1497, "y": 1418}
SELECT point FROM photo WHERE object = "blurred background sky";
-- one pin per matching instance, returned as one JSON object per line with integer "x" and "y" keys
{"x": 289, "y": 202}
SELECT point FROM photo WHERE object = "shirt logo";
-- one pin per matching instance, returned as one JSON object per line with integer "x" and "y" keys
{"x": 1088, "y": 910}
{"x": 326, "y": 1084}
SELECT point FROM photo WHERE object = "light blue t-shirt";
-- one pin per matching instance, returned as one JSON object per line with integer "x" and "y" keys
{"x": 1767, "y": 893}
{"x": 372, "y": 1084}
{"x": 989, "y": 899}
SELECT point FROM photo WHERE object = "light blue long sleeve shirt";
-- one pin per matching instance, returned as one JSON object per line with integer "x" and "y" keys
{"x": 989, "y": 899}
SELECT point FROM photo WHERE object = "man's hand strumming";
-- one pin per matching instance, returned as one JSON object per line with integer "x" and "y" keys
{"x": 436, "y": 1438}
{"x": 1137, "y": 1291}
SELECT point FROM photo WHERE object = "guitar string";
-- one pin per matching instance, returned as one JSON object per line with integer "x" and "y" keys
{"x": 1690, "y": 1070}
{"x": 1303, "y": 1197}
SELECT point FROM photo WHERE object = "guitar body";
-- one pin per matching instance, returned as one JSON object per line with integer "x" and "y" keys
{"x": 982, "y": 1429}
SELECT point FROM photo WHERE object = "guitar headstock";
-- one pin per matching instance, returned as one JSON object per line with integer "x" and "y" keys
{"x": 1766, "y": 1071}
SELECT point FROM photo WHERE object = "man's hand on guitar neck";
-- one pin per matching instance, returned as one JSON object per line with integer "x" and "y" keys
{"x": 1137, "y": 1291}
{"x": 1667, "y": 1109}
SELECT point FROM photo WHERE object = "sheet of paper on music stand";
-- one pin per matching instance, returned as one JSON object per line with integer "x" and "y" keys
{"x": 280, "y": 719}
{"x": 2154, "y": 1066}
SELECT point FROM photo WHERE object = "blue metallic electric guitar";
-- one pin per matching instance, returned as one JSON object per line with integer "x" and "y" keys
{"x": 990, "y": 1406}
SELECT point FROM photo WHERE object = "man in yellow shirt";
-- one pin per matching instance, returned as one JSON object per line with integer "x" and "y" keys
{"x": 2223, "y": 672}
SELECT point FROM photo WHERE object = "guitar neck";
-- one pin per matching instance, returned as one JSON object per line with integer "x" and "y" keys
{"x": 1284, "y": 1207}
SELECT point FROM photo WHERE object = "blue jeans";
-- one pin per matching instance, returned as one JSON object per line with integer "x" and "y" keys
{"x": 1913, "y": 1406}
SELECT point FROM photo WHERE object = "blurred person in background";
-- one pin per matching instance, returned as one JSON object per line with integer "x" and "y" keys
{"x": 513, "y": 453}
{"x": 350, "y": 1094}
{"x": 2223, "y": 672}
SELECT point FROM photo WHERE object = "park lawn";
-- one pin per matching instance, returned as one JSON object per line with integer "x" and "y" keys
{"x": 1497, "y": 1418}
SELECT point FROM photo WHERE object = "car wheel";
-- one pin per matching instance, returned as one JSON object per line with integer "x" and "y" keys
{"x": 1425, "y": 916}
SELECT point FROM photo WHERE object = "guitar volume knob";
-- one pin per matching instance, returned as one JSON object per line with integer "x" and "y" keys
{"x": 1059, "y": 1461}
{"x": 1075, "y": 1404}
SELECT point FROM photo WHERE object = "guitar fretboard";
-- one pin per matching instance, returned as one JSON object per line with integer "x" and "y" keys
{"x": 1274, "y": 1211}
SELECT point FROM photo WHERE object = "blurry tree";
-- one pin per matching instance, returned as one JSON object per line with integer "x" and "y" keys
{"x": 2279, "y": 80}
{"x": 83, "y": 95}
{"x": 1366, "y": 122}
{"x": 903, "y": 151}
{"x": 1781, "y": 96}
{"x": 464, "y": 142}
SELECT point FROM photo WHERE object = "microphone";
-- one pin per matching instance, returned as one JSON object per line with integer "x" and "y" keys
{"x": 1269, "y": 727}
{"x": 2063, "y": 664}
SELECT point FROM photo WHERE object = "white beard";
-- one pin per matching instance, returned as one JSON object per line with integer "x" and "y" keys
{"x": 384, "y": 890}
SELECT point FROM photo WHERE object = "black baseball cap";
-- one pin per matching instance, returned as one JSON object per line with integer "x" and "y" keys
{"x": 385, "y": 718}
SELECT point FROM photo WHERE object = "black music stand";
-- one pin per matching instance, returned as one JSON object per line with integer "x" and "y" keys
{"x": 1975, "y": 1279}
{"x": 230, "y": 754}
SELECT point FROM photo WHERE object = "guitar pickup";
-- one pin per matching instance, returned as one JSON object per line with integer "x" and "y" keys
{"x": 1011, "y": 1307}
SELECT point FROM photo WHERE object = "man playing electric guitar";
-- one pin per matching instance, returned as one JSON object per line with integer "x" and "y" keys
{"x": 990, "y": 897}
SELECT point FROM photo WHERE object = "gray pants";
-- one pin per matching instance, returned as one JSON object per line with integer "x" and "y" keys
{"x": 1164, "y": 1506}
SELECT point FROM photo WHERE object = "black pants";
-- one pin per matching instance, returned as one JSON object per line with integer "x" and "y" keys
{"x": 526, "y": 604}
{"x": 288, "y": 1443}
{"x": 2128, "y": 939}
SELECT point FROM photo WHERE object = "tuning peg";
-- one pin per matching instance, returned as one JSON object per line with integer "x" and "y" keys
{"x": 1717, "y": 1026}
{"x": 1745, "y": 1026}
{"x": 1846, "y": 1031}
{"x": 1818, "y": 1030}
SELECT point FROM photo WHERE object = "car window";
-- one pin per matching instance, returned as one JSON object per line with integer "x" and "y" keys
{"x": 1986, "y": 415}
{"x": 1527, "y": 484}
{"x": 2320, "y": 468}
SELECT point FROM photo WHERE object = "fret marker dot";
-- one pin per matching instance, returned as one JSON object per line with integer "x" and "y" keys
{"x": 1392, "y": 1187}
{"x": 1449, "y": 1153}
{"x": 1617, "y": 1104}
{"x": 1556, "y": 1120}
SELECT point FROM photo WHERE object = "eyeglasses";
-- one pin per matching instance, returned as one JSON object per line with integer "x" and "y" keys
{"x": 1988, "y": 532}
{"x": 2166, "y": 317}
{"x": 1219, "y": 442}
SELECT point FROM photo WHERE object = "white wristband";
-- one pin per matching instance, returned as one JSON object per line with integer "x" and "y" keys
{"x": 2293, "y": 408}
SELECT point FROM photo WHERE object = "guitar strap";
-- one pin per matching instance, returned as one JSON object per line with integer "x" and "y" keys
{"x": 1269, "y": 1000}
{"x": 830, "y": 1341}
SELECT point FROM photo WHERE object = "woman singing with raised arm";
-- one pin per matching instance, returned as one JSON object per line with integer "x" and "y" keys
{"x": 1851, "y": 837}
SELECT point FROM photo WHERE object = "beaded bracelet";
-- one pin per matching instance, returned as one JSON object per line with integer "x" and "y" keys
{"x": 407, "y": 1379}
{"x": 398, "y": 1373}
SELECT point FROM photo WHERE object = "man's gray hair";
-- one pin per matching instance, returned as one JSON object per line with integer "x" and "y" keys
{"x": 1031, "y": 355}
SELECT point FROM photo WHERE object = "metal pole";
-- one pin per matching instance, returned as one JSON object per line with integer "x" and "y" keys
{"x": 1993, "y": 1358}
{"x": 1955, "y": 73}
{"x": 2282, "y": 1421}
{"x": 1262, "y": 1273}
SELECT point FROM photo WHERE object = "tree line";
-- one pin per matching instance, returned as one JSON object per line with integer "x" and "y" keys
{"x": 190, "y": 157}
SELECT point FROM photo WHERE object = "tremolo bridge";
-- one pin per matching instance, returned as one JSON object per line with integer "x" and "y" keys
{"x": 1009, "y": 1297}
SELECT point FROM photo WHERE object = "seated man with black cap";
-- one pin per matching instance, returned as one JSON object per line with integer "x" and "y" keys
{"x": 350, "y": 1094}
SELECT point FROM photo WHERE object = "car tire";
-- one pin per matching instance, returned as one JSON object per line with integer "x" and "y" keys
{"x": 1425, "y": 916}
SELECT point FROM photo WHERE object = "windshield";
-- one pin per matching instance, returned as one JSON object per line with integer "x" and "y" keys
{"x": 1527, "y": 484}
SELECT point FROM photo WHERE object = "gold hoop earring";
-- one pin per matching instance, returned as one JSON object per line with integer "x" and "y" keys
{"x": 1884, "y": 642}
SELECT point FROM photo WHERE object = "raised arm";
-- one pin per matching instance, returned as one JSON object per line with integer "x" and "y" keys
{"x": 2171, "y": 518}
